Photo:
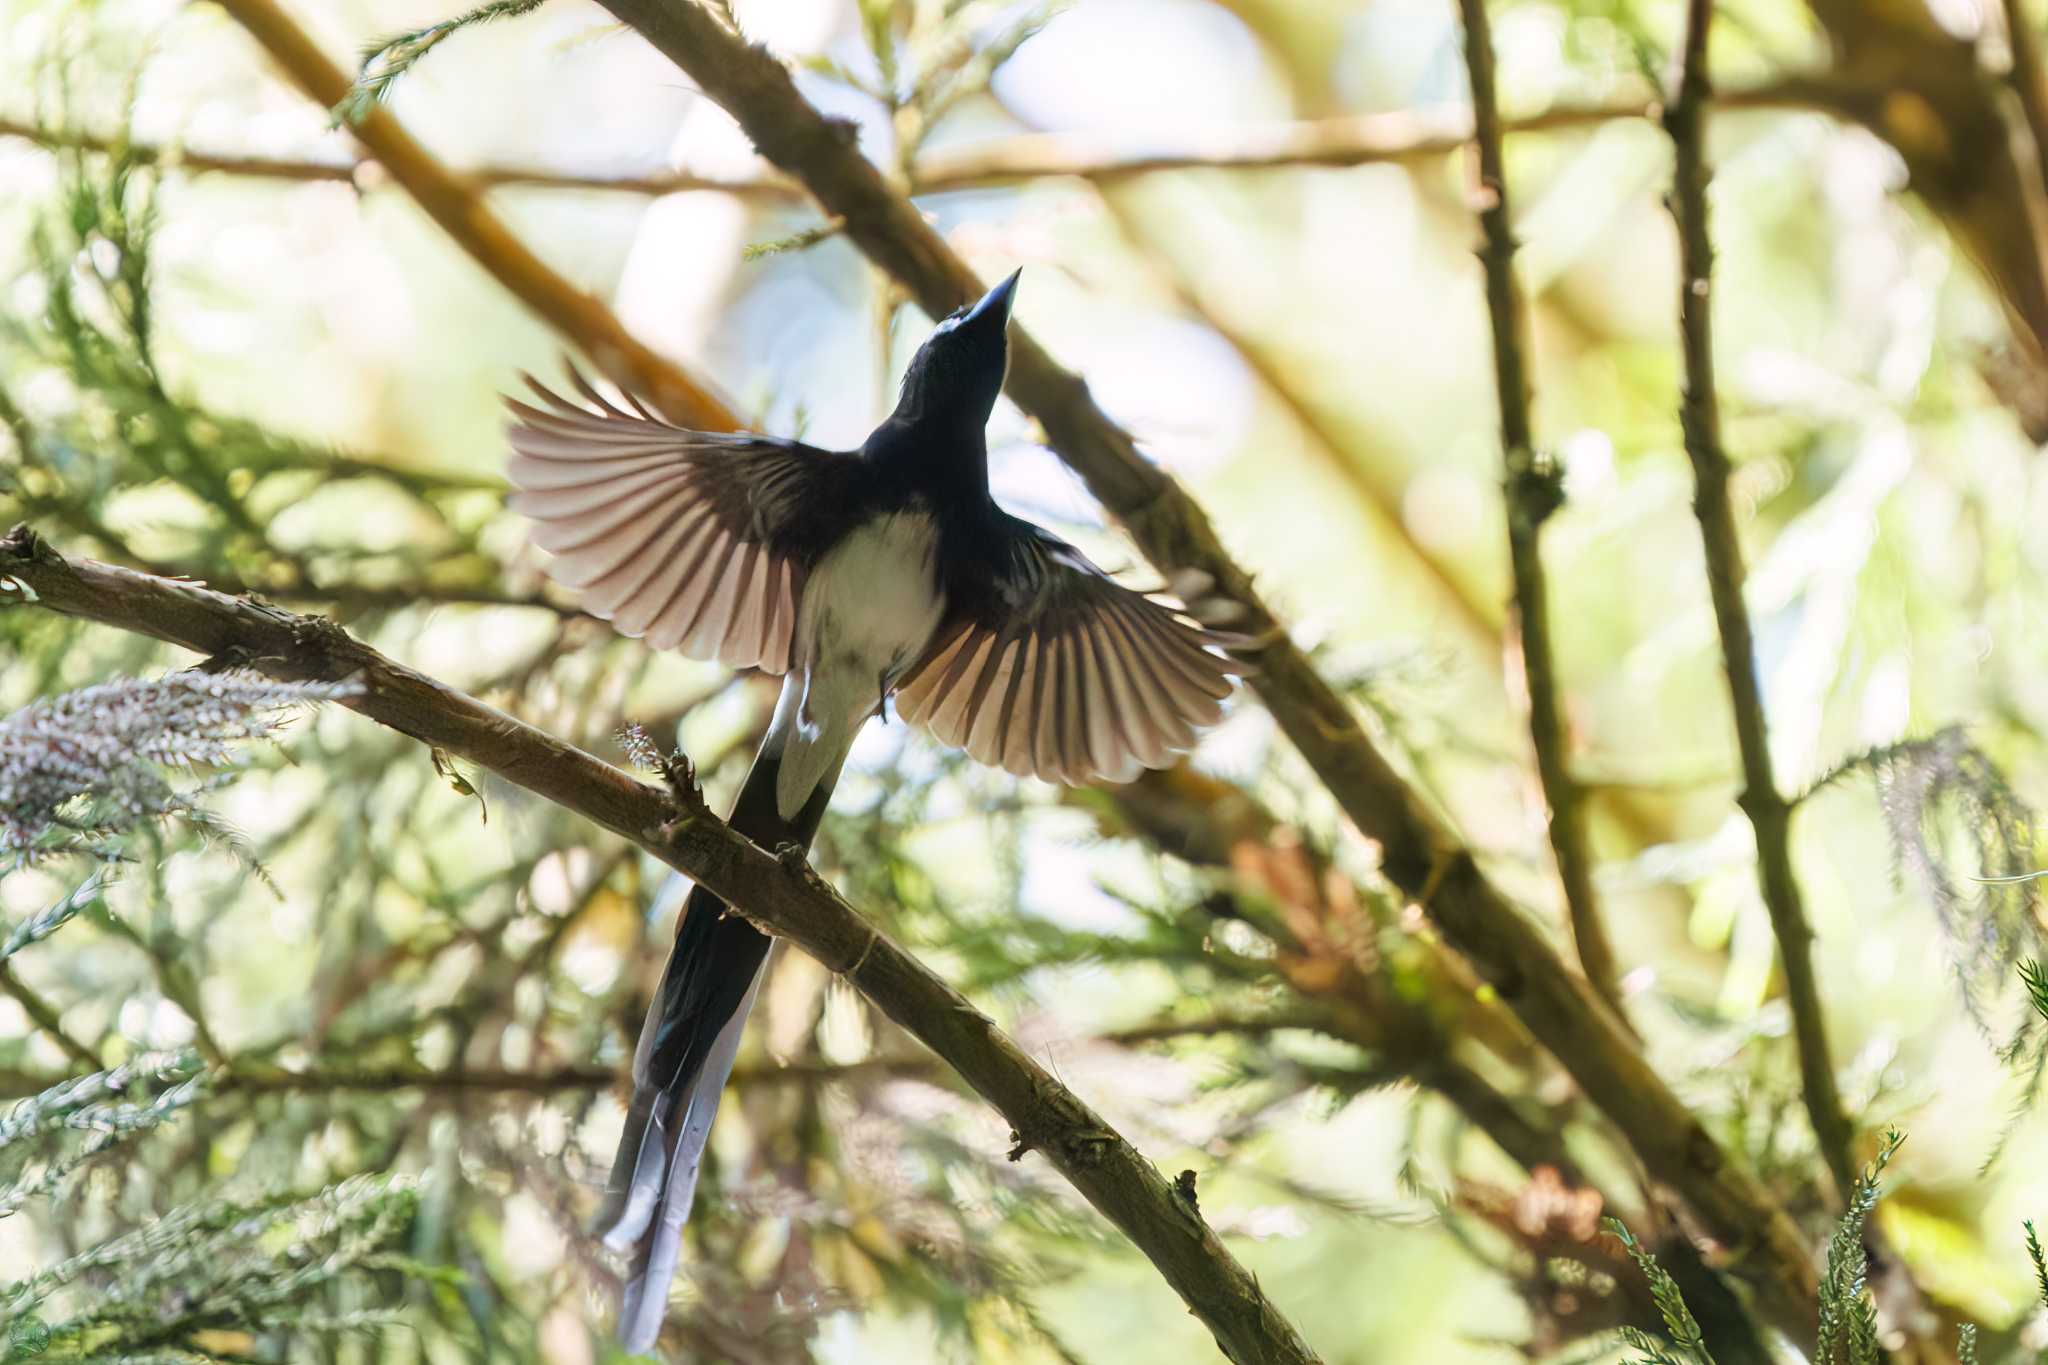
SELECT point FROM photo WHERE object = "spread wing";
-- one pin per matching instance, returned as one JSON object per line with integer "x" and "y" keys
{"x": 1047, "y": 667}
{"x": 697, "y": 541}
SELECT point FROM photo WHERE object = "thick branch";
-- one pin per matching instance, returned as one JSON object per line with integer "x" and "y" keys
{"x": 785, "y": 898}
{"x": 1768, "y": 811}
{"x": 1420, "y": 853}
{"x": 455, "y": 204}
{"x": 1534, "y": 490}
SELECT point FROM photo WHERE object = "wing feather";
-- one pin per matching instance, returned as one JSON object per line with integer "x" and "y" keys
{"x": 698, "y": 541}
{"x": 630, "y": 590}
{"x": 1048, "y": 667}
{"x": 1105, "y": 734}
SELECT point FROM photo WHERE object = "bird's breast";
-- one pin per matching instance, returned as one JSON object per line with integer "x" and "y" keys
{"x": 873, "y": 601}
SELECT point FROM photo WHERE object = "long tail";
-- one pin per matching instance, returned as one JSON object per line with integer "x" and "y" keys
{"x": 687, "y": 1047}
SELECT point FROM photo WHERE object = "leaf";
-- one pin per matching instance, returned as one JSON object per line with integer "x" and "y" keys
{"x": 387, "y": 59}
{"x": 1678, "y": 1319}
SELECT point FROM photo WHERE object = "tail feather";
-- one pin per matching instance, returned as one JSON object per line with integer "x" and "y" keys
{"x": 645, "y": 1301}
{"x": 690, "y": 1040}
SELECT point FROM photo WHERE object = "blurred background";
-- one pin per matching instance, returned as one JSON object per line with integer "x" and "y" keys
{"x": 374, "y": 1031}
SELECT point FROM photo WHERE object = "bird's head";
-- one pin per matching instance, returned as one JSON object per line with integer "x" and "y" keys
{"x": 955, "y": 376}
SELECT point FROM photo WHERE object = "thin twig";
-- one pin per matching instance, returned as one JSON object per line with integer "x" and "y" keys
{"x": 1419, "y": 853}
{"x": 365, "y": 172}
{"x": 17, "y": 1084}
{"x": 1110, "y": 1173}
{"x": 44, "y": 1016}
{"x": 1352, "y": 140}
{"x": 1534, "y": 488}
{"x": 460, "y": 210}
{"x": 236, "y": 1079}
{"x": 1769, "y": 813}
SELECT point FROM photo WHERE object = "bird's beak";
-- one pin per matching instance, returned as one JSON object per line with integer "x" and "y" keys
{"x": 995, "y": 304}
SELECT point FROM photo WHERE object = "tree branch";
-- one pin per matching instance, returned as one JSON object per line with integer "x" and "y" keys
{"x": 2030, "y": 84}
{"x": 1418, "y": 1030}
{"x": 1354, "y": 140}
{"x": 1768, "y": 812}
{"x": 1420, "y": 854}
{"x": 237, "y": 1079}
{"x": 366, "y": 172}
{"x": 1925, "y": 92}
{"x": 15, "y": 1084}
{"x": 1535, "y": 489}
{"x": 784, "y": 898}
{"x": 44, "y": 1016}
{"x": 460, "y": 210}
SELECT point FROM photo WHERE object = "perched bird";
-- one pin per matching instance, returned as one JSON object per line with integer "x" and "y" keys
{"x": 855, "y": 575}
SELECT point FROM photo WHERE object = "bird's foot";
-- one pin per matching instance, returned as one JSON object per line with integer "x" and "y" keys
{"x": 796, "y": 861}
{"x": 678, "y": 773}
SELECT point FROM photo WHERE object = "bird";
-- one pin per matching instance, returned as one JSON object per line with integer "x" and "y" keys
{"x": 857, "y": 575}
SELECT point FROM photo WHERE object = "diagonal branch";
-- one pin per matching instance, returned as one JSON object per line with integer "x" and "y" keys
{"x": 1769, "y": 814}
{"x": 786, "y": 898}
{"x": 1535, "y": 489}
{"x": 1420, "y": 853}
{"x": 456, "y": 205}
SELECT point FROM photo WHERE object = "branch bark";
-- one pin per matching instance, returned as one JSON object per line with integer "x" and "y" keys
{"x": 461, "y": 212}
{"x": 785, "y": 898}
{"x": 1769, "y": 814}
{"x": 1420, "y": 854}
{"x": 1535, "y": 489}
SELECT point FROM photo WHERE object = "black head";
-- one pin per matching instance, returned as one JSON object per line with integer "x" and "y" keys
{"x": 955, "y": 376}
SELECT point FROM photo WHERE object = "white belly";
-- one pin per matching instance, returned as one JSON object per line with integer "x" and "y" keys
{"x": 870, "y": 605}
{"x": 869, "y": 609}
